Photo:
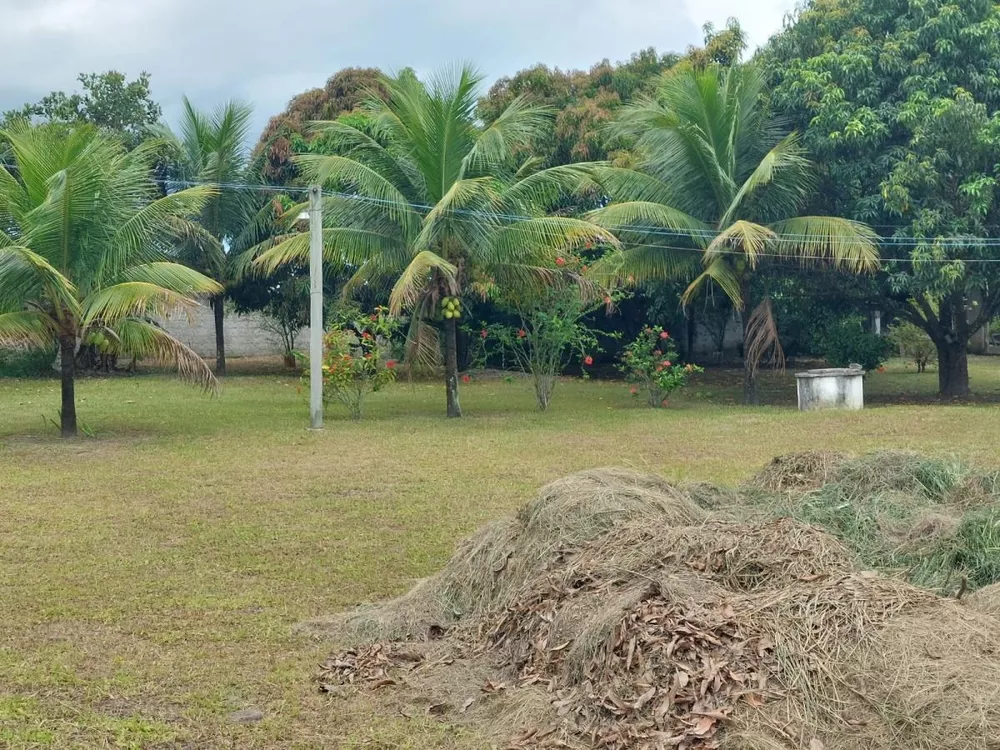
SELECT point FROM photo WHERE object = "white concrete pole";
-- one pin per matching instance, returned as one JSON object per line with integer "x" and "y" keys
{"x": 315, "y": 307}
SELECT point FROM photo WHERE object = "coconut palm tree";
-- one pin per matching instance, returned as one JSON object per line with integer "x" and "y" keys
{"x": 83, "y": 241}
{"x": 212, "y": 150}
{"x": 431, "y": 204}
{"x": 715, "y": 196}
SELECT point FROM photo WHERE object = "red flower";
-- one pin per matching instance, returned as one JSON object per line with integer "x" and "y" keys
{"x": 589, "y": 244}
{"x": 522, "y": 333}
{"x": 366, "y": 335}
{"x": 633, "y": 390}
{"x": 373, "y": 318}
{"x": 666, "y": 363}
{"x": 664, "y": 335}
{"x": 881, "y": 368}
{"x": 588, "y": 360}
{"x": 560, "y": 261}
{"x": 484, "y": 333}
{"x": 391, "y": 364}
{"x": 584, "y": 269}
{"x": 466, "y": 379}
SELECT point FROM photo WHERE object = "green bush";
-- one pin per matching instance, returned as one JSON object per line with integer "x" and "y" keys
{"x": 914, "y": 344}
{"x": 847, "y": 342}
{"x": 31, "y": 363}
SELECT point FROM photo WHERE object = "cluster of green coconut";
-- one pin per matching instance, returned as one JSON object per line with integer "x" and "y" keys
{"x": 451, "y": 308}
{"x": 99, "y": 340}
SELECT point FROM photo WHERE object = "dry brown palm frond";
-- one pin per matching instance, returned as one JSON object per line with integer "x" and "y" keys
{"x": 762, "y": 338}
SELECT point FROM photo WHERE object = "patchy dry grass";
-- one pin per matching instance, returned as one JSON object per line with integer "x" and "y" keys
{"x": 150, "y": 574}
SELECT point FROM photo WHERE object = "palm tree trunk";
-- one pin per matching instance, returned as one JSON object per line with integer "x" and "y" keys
{"x": 219, "y": 308}
{"x": 451, "y": 366}
{"x": 751, "y": 396}
{"x": 67, "y": 365}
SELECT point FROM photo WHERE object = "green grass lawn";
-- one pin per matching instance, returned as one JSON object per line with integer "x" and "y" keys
{"x": 150, "y": 574}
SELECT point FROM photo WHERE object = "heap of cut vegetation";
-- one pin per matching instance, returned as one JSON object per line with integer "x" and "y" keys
{"x": 618, "y": 610}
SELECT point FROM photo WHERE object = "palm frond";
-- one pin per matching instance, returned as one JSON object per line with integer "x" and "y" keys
{"x": 413, "y": 282}
{"x": 828, "y": 239}
{"x": 342, "y": 248}
{"x": 639, "y": 264}
{"x": 423, "y": 344}
{"x": 762, "y": 339}
{"x": 173, "y": 277}
{"x": 364, "y": 184}
{"x": 145, "y": 340}
{"x": 641, "y": 219}
{"x": 20, "y": 268}
{"x": 134, "y": 298}
{"x": 26, "y": 329}
{"x": 518, "y": 126}
{"x": 743, "y": 238}
{"x": 541, "y": 241}
{"x": 720, "y": 273}
{"x": 785, "y": 161}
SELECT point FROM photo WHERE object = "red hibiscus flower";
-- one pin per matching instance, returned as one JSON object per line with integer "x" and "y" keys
{"x": 522, "y": 333}
{"x": 664, "y": 335}
{"x": 466, "y": 379}
{"x": 588, "y": 360}
{"x": 666, "y": 363}
{"x": 391, "y": 364}
{"x": 560, "y": 261}
{"x": 484, "y": 333}
{"x": 633, "y": 390}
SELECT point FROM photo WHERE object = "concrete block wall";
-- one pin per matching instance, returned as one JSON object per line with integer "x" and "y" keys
{"x": 246, "y": 335}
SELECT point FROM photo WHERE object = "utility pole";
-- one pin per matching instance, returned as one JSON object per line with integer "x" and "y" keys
{"x": 315, "y": 307}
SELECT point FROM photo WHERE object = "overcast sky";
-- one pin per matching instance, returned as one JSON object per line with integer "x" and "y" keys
{"x": 266, "y": 51}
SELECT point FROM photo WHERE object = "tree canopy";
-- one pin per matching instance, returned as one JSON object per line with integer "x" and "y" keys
{"x": 108, "y": 100}
{"x": 897, "y": 100}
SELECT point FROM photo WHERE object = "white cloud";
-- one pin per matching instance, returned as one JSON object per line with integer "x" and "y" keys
{"x": 266, "y": 52}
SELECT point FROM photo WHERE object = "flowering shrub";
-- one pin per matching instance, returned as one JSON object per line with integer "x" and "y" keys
{"x": 549, "y": 336}
{"x": 354, "y": 360}
{"x": 650, "y": 365}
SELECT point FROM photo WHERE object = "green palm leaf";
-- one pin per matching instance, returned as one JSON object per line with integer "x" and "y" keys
{"x": 816, "y": 239}
{"x": 143, "y": 339}
{"x": 413, "y": 282}
{"x": 26, "y": 329}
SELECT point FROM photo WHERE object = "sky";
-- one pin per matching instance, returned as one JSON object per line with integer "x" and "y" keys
{"x": 267, "y": 51}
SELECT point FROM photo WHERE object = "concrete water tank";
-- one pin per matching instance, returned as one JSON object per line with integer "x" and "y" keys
{"x": 834, "y": 388}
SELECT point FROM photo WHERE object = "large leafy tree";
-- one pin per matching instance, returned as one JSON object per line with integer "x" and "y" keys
{"x": 108, "y": 100}
{"x": 716, "y": 195}
{"x": 212, "y": 150}
{"x": 431, "y": 204}
{"x": 84, "y": 238}
{"x": 289, "y": 132}
{"x": 898, "y": 100}
{"x": 585, "y": 101}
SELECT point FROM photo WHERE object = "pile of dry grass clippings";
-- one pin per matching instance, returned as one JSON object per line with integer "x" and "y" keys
{"x": 615, "y": 611}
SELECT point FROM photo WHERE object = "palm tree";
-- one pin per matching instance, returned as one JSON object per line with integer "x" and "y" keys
{"x": 212, "y": 150}
{"x": 434, "y": 205}
{"x": 714, "y": 170}
{"x": 83, "y": 242}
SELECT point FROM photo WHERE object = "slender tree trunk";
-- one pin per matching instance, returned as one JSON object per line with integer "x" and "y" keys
{"x": 751, "y": 396}
{"x": 953, "y": 370}
{"x": 451, "y": 366}
{"x": 219, "y": 308}
{"x": 67, "y": 365}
